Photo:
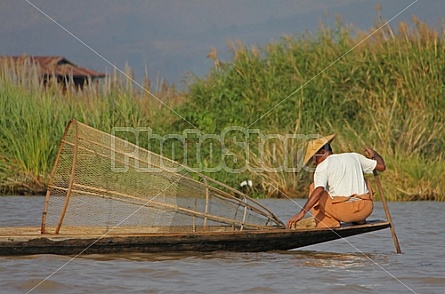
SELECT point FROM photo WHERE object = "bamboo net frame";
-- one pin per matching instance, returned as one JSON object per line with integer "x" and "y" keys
{"x": 86, "y": 193}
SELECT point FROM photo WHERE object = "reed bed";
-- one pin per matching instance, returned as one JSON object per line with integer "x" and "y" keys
{"x": 33, "y": 116}
{"x": 386, "y": 93}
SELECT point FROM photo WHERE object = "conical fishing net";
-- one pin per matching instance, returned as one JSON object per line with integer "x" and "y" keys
{"x": 103, "y": 184}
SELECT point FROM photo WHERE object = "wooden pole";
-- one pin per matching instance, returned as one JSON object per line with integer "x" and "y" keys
{"x": 388, "y": 215}
{"x": 72, "y": 176}
{"x": 51, "y": 179}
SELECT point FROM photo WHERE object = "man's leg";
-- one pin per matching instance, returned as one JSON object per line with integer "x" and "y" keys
{"x": 352, "y": 211}
{"x": 321, "y": 213}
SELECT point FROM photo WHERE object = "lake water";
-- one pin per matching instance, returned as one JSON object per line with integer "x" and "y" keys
{"x": 359, "y": 264}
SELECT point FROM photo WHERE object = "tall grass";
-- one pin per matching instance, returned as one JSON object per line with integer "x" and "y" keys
{"x": 387, "y": 93}
{"x": 33, "y": 116}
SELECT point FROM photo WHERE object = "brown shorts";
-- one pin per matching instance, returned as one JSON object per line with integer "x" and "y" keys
{"x": 330, "y": 212}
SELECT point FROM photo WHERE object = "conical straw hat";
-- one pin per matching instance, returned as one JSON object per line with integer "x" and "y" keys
{"x": 314, "y": 146}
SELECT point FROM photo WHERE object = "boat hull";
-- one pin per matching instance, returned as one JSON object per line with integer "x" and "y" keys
{"x": 28, "y": 241}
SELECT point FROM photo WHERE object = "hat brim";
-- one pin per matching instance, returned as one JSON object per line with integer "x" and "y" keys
{"x": 315, "y": 145}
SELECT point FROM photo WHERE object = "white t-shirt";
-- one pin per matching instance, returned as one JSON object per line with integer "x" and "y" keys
{"x": 342, "y": 174}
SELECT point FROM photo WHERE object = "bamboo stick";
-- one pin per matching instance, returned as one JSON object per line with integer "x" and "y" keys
{"x": 388, "y": 215}
{"x": 51, "y": 179}
{"x": 73, "y": 172}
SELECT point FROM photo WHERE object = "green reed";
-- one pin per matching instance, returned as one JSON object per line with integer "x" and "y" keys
{"x": 33, "y": 117}
{"x": 387, "y": 93}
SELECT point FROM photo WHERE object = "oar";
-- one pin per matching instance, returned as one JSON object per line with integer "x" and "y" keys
{"x": 388, "y": 215}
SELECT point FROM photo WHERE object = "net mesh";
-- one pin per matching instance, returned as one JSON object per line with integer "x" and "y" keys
{"x": 101, "y": 183}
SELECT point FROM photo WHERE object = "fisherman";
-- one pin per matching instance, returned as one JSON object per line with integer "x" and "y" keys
{"x": 339, "y": 192}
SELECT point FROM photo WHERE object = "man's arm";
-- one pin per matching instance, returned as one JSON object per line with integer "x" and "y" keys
{"x": 313, "y": 199}
{"x": 371, "y": 153}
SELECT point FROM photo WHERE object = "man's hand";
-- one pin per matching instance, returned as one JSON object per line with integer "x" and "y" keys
{"x": 296, "y": 218}
{"x": 313, "y": 199}
{"x": 371, "y": 153}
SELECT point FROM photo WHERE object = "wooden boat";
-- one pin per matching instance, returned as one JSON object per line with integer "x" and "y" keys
{"x": 107, "y": 195}
{"x": 28, "y": 241}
